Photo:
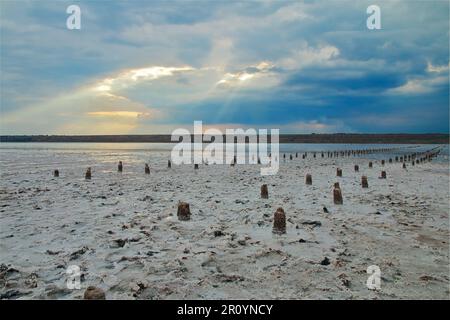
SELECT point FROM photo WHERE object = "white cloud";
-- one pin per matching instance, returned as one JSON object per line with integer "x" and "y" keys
{"x": 307, "y": 56}
{"x": 419, "y": 86}
{"x": 437, "y": 69}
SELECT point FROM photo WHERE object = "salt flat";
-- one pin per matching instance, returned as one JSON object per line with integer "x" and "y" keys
{"x": 122, "y": 229}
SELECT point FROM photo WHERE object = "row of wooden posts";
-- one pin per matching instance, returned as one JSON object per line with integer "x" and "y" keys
{"x": 279, "y": 220}
{"x": 415, "y": 158}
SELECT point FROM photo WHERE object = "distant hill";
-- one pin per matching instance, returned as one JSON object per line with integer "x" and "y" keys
{"x": 429, "y": 138}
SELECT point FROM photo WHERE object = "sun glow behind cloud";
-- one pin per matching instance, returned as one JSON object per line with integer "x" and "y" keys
{"x": 295, "y": 65}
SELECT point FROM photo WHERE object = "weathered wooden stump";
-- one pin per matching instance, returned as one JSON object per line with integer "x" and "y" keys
{"x": 184, "y": 212}
{"x": 383, "y": 175}
{"x": 370, "y": 164}
{"x": 290, "y": 157}
{"x": 382, "y": 162}
{"x": 404, "y": 165}
{"x": 337, "y": 196}
{"x": 94, "y": 293}
{"x": 195, "y": 166}
{"x": 356, "y": 168}
{"x": 390, "y": 160}
{"x": 339, "y": 172}
{"x": 169, "y": 164}
{"x": 147, "y": 169}
{"x": 264, "y": 191}
{"x": 364, "y": 182}
{"x": 279, "y": 222}
{"x": 336, "y": 185}
{"x": 88, "y": 174}
{"x": 56, "y": 173}
{"x": 308, "y": 179}
{"x": 120, "y": 166}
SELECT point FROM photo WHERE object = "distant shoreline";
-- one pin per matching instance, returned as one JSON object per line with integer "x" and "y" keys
{"x": 429, "y": 138}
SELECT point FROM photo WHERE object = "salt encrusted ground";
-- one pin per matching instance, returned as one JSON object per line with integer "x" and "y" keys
{"x": 400, "y": 224}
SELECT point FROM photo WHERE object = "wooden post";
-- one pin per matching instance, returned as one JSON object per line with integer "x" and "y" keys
{"x": 337, "y": 196}
{"x": 364, "y": 182}
{"x": 383, "y": 175}
{"x": 120, "y": 166}
{"x": 339, "y": 172}
{"x": 169, "y": 164}
{"x": 184, "y": 212}
{"x": 56, "y": 173}
{"x": 279, "y": 222}
{"x": 147, "y": 169}
{"x": 308, "y": 179}
{"x": 356, "y": 168}
{"x": 264, "y": 191}
{"x": 370, "y": 164}
{"x": 94, "y": 293}
{"x": 88, "y": 174}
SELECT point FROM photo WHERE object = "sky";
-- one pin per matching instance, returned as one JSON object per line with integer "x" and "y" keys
{"x": 148, "y": 67}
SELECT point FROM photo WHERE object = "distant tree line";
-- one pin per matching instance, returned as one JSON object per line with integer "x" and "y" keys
{"x": 406, "y": 138}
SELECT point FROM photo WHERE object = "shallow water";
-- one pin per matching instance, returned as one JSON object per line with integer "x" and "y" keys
{"x": 134, "y": 150}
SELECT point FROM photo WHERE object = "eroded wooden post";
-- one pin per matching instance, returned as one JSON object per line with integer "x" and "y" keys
{"x": 308, "y": 179}
{"x": 264, "y": 191}
{"x": 279, "y": 222}
{"x": 364, "y": 182}
{"x": 184, "y": 212}
{"x": 88, "y": 174}
{"x": 337, "y": 196}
